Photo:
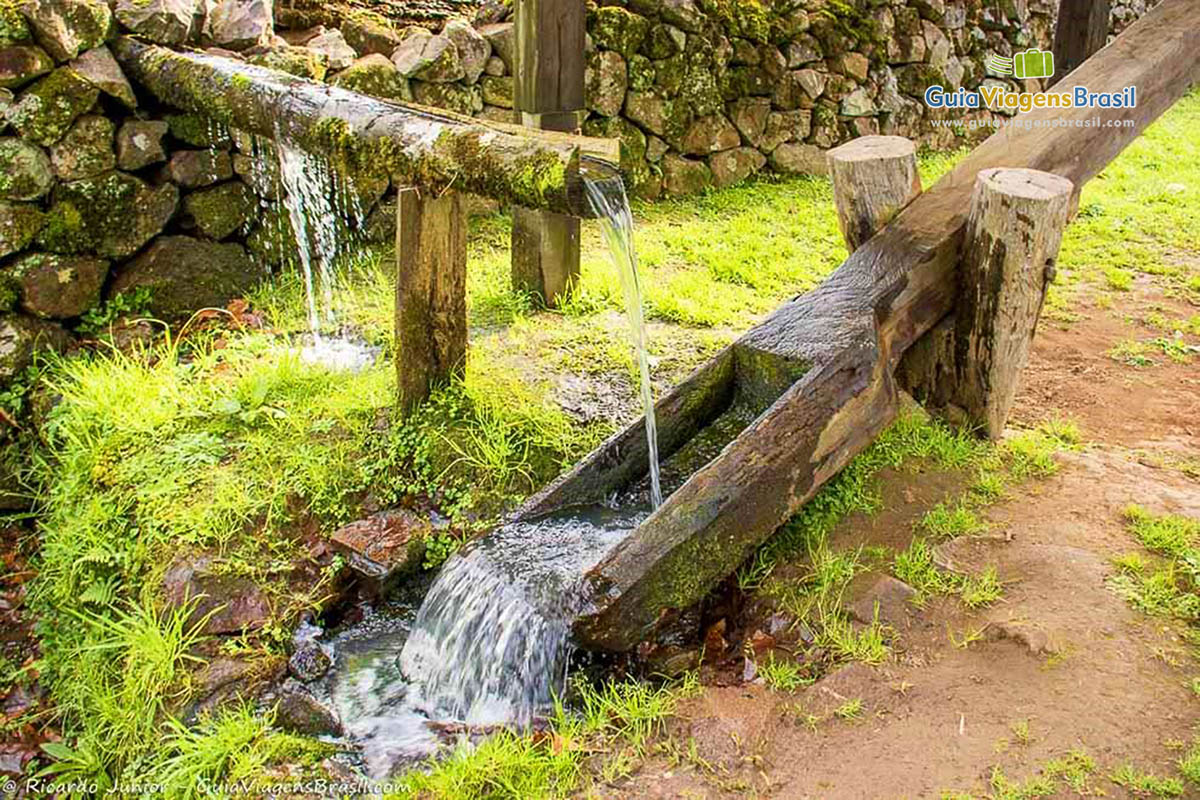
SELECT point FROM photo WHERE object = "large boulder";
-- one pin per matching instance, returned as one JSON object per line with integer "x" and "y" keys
{"x": 239, "y": 24}
{"x": 48, "y": 109}
{"x": 185, "y": 274}
{"x": 799, "y": 159}
{"x": 86, "y": 150}
{"x": 684, "y": 176}
{"x": 370, "y": 34}
{"x": 222, "y": 210}
{"x": 424, "y": 56}
{"x": 68, "y": 27}
{"x": 99, "y": 68}
{"x": 21, "y": 337}
{"x": 377, "y": 76}
{"x": 113, "y": 215}
{"x": 331, "y": 44}
{"x": 20, "y": 64}
{"x": 232, "y": 603}
{"x": 473, "y": 49}
{"x": 25, "y": 171}
{"x": 59, "y": 287}
{"x": 607, "y": 79}
{"x": 733, "y": 166}
{"x": 19, "y": 225}
{"x": 710, "y": 135}
{"x": 139, "y": 144}
{"x": 170, "y": 22}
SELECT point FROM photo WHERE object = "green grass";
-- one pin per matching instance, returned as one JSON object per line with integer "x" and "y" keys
{"x": 1145, "y": 784}
{"x": 783, "y": 675}
{"x": 1167, "y": 584}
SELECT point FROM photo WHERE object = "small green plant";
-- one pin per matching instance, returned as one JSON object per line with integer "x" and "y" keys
{"x": 1146, "y": 784}
{"x": 1073, "y": 769}
{"x": 1119, "y": 279}
{"x": 949, "y": 522}
{"x": 783, "y": 675}
{"x": 439, "y": 548}
{"x": 1020, "y": 732}
{"x": 849, "y": 710}
{"x": 131, "y": 303}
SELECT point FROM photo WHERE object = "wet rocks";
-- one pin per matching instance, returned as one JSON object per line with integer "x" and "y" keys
{"x": 384, "y": 544}
{"x": 111, "y": 215}
{"x": 222, "y": 210}
{"x": 185, "y": 274}
{"x": 21, "y": 337}
{"x": 299, "y": 712}
{"x": 224, "y": 601}
{"x": 309, "y": 662}
{"x": 192, "y": 169}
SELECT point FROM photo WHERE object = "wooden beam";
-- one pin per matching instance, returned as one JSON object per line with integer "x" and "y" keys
{"x": 549, "y": 94}
{"x": 431, "y": 292}
{"x": 851, "y": 332}
{"x": 414, "y": 145}
{"x": 1082, "y": 30}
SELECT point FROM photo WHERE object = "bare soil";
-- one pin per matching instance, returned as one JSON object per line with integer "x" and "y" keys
{"x": 1061, "y": 652}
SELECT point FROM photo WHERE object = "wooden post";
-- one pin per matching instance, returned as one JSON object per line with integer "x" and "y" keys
{"x": 431, "y": 292}
{"x": 874, "y": 178}
{"x": 1011, "y": 243}
{"x": 549, "y": 94}
{"x": 1082, "y": 30}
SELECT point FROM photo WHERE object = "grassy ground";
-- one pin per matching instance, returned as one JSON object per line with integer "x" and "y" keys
{"x": 224, "y": 441}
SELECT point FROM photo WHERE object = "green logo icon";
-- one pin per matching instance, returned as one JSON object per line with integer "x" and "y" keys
{"x": 1030, "y": 64}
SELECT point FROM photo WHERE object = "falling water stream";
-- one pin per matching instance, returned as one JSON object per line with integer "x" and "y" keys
{"x": 490, "y": 644}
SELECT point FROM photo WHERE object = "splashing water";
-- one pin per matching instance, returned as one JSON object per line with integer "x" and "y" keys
{"x": 609, "y": 203}
{"x": 321, "y": 223}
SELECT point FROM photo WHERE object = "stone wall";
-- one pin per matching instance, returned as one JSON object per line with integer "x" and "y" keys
{"x": 106, "y": 196}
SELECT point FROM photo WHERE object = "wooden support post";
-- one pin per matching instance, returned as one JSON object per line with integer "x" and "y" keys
{"x": 874, "y": 178}
{"x": 1082, "y": 30}
{"x": 550, "y": 96}
{"x": 1012, "y": 238}
{"x": 431, "y": 292}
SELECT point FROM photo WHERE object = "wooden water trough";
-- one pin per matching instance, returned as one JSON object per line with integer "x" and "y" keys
{"x": 943, "y": 300}
{"x": 432, "y": 156}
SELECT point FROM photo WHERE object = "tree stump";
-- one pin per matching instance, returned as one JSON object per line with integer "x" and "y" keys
{"x": 1012, "y": 239}
{"x": 431, "y": 292}
{"x": 549, "y": 93}
{"x": 874, "y": 177}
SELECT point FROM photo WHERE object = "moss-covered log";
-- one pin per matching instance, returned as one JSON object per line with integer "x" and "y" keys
{"x": 416, "y": 146}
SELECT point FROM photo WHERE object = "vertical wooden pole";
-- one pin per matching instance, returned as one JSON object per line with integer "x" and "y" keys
{"x": 874, "y": 178}
{"x": 1012, "y": 238}
{"x": 1082, "y": 30}
{"x": 550, "y": 96}
{"x": 431, "y": 292}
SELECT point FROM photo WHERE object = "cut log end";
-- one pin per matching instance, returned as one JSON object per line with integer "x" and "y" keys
{"x": 874, "y": 178}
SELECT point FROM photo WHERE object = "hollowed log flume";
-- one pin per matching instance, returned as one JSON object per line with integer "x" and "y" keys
{"x": 823, "y": 365}
{"x": 416, "y": 146}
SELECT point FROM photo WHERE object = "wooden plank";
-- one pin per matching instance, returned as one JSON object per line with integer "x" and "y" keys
{"x": 431, "y": 292}
{"x": 853, "y": 329}
{"x": 414, "y": 145}
{"x": 1082, "y": 30}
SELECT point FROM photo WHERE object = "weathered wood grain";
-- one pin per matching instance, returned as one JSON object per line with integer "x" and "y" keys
{"x": 853, "y": 329}
{"x": 1081, "y": 31}
{"x": 873, "y": 178}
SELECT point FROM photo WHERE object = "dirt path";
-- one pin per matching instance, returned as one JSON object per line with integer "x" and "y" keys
{"x": 1061, "y": 662}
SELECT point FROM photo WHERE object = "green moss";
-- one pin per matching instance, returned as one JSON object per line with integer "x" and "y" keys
{"x": 13, "y": 28}
{"x": 19, "y": 224}
{"x": 298, "y": 61}
{"x": 742, "y": 19}
{"x": 379, "y": 79}
{"x": 64, "y": 230}
{"x": 10, "y": 292}
{"x": 47, "y": 110}
{"x": 614, "y": 28}
{"x": 198, "y": 130}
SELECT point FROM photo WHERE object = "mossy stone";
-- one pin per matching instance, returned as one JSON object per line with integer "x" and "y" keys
{"x": 21, "y": 337}
{"x": 86, "y": 150}
{"x": 57, "y": 286}
{"x": 614, "y": 28}
{"x": 633, "y": 141}
{"x": 67, "y": 28}
{"x": 112, "y": 214}
{"x": 700, "y": 91}
{"x": 13, "y": 28}
{"x": 220, "y": 211}
{"x": 497, "y": 91}
{"x": 273, "y": 242}
{"x": 298, "y": 61}
{"x": 664, "y": 41}
{"x": 25, "y": 171}
{"x": 48, "y": 109}
{"x": 452, "y": 96}
{"x": 19, "y": 224}
{"x": 642, "y": 74}
{"x": 20, "y": 64}
{"x": 375, "y": 75}
{"x": 198, "y": 130}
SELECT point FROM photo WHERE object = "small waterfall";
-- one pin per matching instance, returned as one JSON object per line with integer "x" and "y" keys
{"x": 322, "y": 214}
{"x": 492, "y": 640}
{"x": 609, "y": 203}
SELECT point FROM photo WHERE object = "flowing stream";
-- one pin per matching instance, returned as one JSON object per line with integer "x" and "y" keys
{"x": 491, "y": 642}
